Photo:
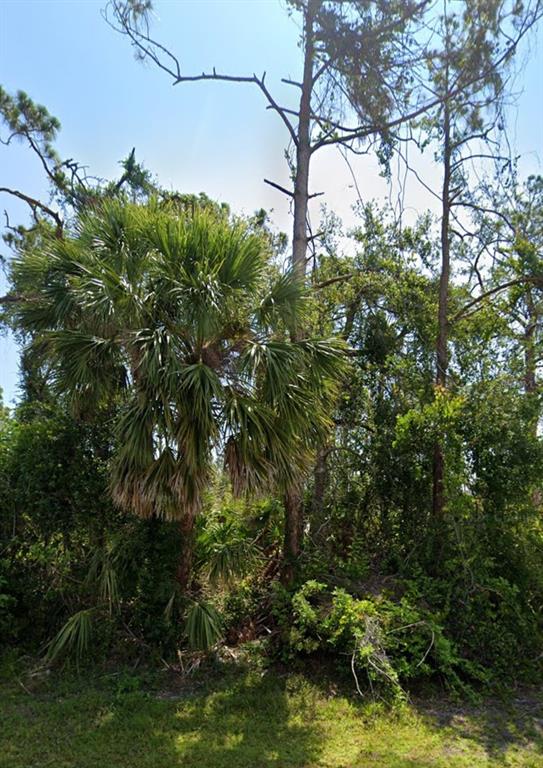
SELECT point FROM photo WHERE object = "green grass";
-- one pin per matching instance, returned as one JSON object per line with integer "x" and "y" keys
{"x": 253, "y": 720}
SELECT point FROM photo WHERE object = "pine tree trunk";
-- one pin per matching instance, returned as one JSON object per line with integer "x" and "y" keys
{"x": 303, "y": 147}
{"x": 293, "y": 497}
{"x": 442, "y": 355}
{"x": 530, "y": 356}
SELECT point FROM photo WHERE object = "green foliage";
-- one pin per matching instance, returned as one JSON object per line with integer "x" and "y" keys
{"x": 498, "y": 629}
{"x": 226, "y": 551}
{"x": 172, "y": 336}
{"x": 73, "y": 638}
{"x": 7, "y": 604}
{"x": 176, "y": 315}
{"x": 52, "y": 505}
{"x": 31, "y": 122}
{"x": 165, "y": 350}
{"x": 203, "y": 625}
{"x": 66, "y": 552}
{"x": 374, "y": 518}
{"x": 391, "y": 642}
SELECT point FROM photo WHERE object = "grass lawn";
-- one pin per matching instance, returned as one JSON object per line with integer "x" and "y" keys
{"x": 253, "y": 720}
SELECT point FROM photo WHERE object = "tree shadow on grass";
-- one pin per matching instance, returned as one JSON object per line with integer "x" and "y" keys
{"x": 271, "y": 721}
{"x": 254, "y": 720}
{"x": 500, "y": 728}
{"x": 245, "y": 723}
{"x": 248, "y": 724}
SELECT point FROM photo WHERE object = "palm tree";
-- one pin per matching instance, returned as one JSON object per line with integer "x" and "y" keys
{"x": 182, "y": 318}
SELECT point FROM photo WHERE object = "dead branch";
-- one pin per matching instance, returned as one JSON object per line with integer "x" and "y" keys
{"x": 538, "y": 281}
{"x": 37, "y": 205}
{"x": 284, "y": 190}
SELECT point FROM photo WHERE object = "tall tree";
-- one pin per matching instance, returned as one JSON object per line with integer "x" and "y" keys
{"x": 353, "y": 52}
{"x": 511, "y": 221}
{"x": 468, "y": 73}
{"x": 360, "y": 60}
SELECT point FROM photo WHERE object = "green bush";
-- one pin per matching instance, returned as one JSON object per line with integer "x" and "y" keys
{"x": 386, "y": 643}
{"x": 7, "y": 605}
{"x": 495, "y": 626}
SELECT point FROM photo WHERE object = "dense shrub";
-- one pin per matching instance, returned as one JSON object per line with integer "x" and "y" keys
{"x": 386, "y": 643}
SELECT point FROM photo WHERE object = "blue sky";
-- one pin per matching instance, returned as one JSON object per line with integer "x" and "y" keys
{"x": 208, "y": 137}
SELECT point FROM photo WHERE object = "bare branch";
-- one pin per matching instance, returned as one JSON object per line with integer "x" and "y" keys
{"x": 280, "y": 110}
{"x": 291, "y": 82}
{"x": 483, "y": 209}
{"x": 538, "y": 281}
{"x": 333, "y": 280}
{"x": 149, "y": 47}
{"x": 284, "y": 190}
{"x": 143, "y": 43}
{"x": 317, "y": 235}
{"x": 9, "y": 298}
{"x": 253, "y": 79}
{"x": 37, "y": 205}
{"x": 36, "y": 149}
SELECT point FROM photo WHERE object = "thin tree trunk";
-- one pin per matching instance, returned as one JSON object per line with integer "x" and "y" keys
{"x": 442, "y": 354}
{"x": 293, "y": 501}
{"x": 530, "y": 385}
{"x": 320, "y": 484}
{"x": 303, "y": 148}
{"x": 530, "y": 378}
{"x": 294, "y": 524}
{"x": 186, "y": 551}
{"x": 530, "y": 382}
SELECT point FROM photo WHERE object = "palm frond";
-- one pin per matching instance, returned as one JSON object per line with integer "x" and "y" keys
{"x": 228, "y": 553}
{"x": 182, "y": 317}
{"x": 87, "y": 364}
{"x": 203, "y": 625}
{"x": 73, "y": 638}
{"x": 283, "y": 303}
